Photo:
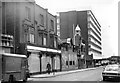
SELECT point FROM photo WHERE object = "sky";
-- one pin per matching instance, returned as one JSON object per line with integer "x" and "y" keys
{"x": 106, "y": 12}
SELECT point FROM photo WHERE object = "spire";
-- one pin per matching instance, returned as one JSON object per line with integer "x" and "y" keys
{"x": 77, "y": 28}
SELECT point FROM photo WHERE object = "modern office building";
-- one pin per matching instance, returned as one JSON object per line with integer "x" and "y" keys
{"x": 90, "y": 32}
{"x": 29, "y": 29}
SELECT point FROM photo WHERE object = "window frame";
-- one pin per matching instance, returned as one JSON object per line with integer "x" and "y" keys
{"x": 52, "y": 24}
{"x": 41, "y": 20}
{"x": 28, "y": 13}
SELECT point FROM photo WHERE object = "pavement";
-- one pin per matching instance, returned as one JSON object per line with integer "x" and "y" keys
{"x": 59, "y": 73}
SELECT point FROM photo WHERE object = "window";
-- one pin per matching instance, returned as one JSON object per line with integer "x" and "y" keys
{"x": 55, "y": 42}
{"x": 66, "y": 62}
{"x": 70, "y": 62}
{"x": 31, "y": 35}
{"x": 31, "y": 38}
{"x": 28, "y": 13}
{"x": 41, "y": 19}
{"x": 7, "y": 40}
{"x": 52, "y": 24}
{"x": 26, "y": 34}
{"x": 82, "y": 48}
{"x": 51, "y": 41}
{"x": 44, "y": 41}
{"x": 40, "y": 39}
{"x": 58, "y": 20}
{"x": 26, "y": 37}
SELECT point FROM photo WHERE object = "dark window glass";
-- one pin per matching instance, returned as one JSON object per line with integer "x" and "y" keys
{"x": 70, "y": 62}
{"x": 52, "y": 24}
{"x": 51, "y": 41}
{"x": 82, "y": 48}
{"x": 66, "y": 62}
{"x": 40, "y": 39}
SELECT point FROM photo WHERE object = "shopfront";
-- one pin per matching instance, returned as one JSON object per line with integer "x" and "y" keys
{"x": 40, "y": 56}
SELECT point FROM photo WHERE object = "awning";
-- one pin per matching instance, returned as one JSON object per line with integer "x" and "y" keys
{"x": 34, "y": 48}
{"x": 14, "y": 55}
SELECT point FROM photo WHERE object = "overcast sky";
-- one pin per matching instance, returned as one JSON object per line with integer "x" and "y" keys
{"x": 106, "y": 12}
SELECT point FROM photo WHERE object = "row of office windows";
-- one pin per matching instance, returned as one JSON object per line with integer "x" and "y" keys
{"x": 90, "y": 32}
{"x": 94, "y": 41}
{"x": 94, "y": 28}
{"x": 93, "y": 19}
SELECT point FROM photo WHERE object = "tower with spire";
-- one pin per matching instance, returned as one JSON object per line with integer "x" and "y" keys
{"x": 77, "y": 36}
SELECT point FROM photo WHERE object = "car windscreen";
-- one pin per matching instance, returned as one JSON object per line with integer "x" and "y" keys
{"x": 112, "y": 68}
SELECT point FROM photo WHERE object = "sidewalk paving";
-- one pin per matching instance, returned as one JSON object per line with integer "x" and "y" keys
{"x": 59, "y": 73}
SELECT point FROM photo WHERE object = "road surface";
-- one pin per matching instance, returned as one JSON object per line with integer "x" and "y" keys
{"x": 88, "y": 75}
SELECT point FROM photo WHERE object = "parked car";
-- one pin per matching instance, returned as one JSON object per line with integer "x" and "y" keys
{"x": 111, "y": 71}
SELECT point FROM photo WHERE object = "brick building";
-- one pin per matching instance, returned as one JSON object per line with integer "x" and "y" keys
{"x": 69, "y": 57}
{"x": 30, "y": 29}
{"x": 90, "y": 32}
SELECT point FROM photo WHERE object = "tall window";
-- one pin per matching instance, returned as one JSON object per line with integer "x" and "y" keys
{"x": 52, "y": 24}
{"x": 44, "y": 43}
{"x": 41, "y": 19}
{"x": 40, "y": 39}
{"x": 70, "y": 62}
{"x": 66, "y": 62}
{"x": 55, "y": 42}
{"x": 51, "y": 41}
{"x": 28, "y": 13}
{"x": 31, "y": 35}
{"x": 26, "y": 34}
{"x": 31, "y": 38}
{"x": 45, "y": 40}
{"x": 26, "y": 37}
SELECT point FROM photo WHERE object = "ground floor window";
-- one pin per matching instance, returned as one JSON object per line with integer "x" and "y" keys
{"x": 66, "y": 62}
{"x": 70, "y": 62}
